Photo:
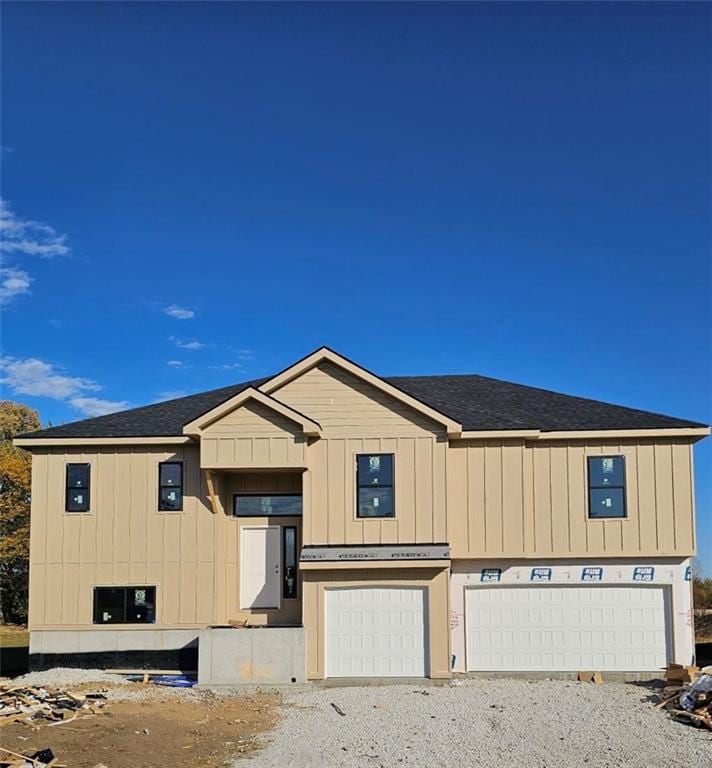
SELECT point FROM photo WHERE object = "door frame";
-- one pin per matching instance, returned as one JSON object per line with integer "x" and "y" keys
{"x": 241, "y": 600}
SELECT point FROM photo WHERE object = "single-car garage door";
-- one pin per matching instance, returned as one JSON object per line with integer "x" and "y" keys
{"x": 567, "y": 628}
{"x": 376, "y": 632}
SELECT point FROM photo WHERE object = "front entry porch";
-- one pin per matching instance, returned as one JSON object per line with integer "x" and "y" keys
{"x": 261, "y": 583}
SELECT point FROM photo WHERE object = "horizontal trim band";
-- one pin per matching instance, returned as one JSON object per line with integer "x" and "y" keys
{"x": 47, "y": 442}
{"x": 342, "y": 565}
{"x": 588, "y": 434}
{"x": 492, "y": 434}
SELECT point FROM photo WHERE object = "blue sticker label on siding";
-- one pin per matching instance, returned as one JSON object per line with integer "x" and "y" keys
{"x": 541, "y": 574}
{"x": 491, "y": 574}
{"x": 592, "y": 573}
{"x": 688, "y": 573}
{"x": 644, "y": 573}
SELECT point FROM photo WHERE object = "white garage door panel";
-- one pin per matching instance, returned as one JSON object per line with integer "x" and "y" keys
{"x": 547, "y": 628}
{"x": 375, "y": 632}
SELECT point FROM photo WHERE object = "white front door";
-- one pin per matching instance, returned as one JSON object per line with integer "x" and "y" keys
{"x": 376, "y": 632}
{"x": 260, "y": 566}
{"x": 567, "y": 628}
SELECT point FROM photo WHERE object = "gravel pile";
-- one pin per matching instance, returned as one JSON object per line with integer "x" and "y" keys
{"x": 63, "y": 677}
{"x": 527, "y": 724}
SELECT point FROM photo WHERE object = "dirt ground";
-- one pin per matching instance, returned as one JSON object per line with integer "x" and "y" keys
{"x": 167, "y": 728}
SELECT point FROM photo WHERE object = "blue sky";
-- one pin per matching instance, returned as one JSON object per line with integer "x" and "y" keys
{"x": 198, "y": 194}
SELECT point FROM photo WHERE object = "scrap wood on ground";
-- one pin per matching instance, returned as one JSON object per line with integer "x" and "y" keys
{"x": 688, "y": 695}
{"x": 42, "y": 759}
{"x": 151, "y": 726}
{"x": 33, "y": 705}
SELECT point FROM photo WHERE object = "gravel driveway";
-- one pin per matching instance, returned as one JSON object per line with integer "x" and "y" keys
{"x": 512, "y": 723}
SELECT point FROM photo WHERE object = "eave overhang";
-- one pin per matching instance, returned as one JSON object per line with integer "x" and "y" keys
{"x": 691, "y": 433}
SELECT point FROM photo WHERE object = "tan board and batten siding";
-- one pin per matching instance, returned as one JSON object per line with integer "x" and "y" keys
{"x": 492, "y": 498}
{"x": 358, "y": 418}
{"x": 125, "y": 540}
{"x": 487, "y": 498}
{"x": 508, "y": 498}
{"x": 252, "y": 435}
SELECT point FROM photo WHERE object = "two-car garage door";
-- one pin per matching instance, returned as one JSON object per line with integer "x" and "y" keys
{"x": 382, "y": 631}
{"x": 567, "y": 628}
{"x": 376, "y": 632}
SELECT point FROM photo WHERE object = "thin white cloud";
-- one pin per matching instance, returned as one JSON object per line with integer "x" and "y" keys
{"x": 244, "y": 354}
{"x": 176, "y": 364}
{"x": 35, "y": 377}
{"x": 4, "y": 150}
{"x": 170, "y": 394}
{"x": 179, "y": 313}
{"x": 190, "y": 345}
{"x": 13, "y": 282}
{"x": 94, "y": 406}
{"x": 228, "y": 367}
{"x": 29, "y": 238}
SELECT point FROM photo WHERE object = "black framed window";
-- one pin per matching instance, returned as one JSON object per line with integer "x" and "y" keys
{"x": 289, "y": 561}
{"x": 259, "y": 505}
{"x": 124, "y": 605}
{"x": 374, "y": 485}
{"x": 606, "y": 486}
{"x": 170, "y": 486}
{"x": 77, "y": 491}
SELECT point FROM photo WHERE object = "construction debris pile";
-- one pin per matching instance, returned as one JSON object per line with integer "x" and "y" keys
{"x": 688, "y": 695}
{"x": 44, "y": 758}
{"x": 49, "y": 706}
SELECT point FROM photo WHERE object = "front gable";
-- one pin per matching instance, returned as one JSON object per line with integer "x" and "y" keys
{"x": 343, "y": 397}
{"x": 252, "y": 430}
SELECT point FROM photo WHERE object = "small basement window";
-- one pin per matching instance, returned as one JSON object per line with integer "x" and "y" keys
{"x": 170, "y": 486}
{"x": 77, "y": 490}
{"x": 374, "y": 484}
{"x": 606, "y": 486}
{"x": 124, "y": 605}
{"x": 258, "y": 505}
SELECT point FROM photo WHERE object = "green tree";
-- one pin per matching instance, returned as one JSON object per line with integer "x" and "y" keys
{"x": 15, "y": 483}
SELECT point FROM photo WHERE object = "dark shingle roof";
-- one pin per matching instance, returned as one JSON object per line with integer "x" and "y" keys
{"x": 482, "y": 403}
{"x": 477, "y": 402}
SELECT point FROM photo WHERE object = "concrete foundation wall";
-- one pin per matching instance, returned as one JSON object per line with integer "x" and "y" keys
{"x": 107, "y": 640}
{"x": 247, "y": 656}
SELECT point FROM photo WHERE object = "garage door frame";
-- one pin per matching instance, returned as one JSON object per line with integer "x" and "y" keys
{"x": 423, "y": 589}
{"x": 668, "y": 608}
